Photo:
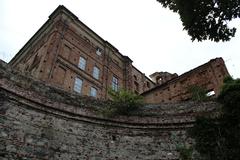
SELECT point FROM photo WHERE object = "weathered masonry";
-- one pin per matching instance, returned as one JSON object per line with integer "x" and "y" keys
{"x": 67, "y": 54}
{"x": 41, "y": 122}
{"x": 49, "y": 110}
{"x": 173, "y": 88}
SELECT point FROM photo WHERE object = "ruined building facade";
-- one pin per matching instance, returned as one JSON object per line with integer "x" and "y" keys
{"x": 173, "y": 88}
{"x": 67, "y": 54}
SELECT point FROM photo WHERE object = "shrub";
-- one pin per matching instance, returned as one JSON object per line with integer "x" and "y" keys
{"x": 123, "y": 103}
{"x": 219, "y": 138}
{"x": 198, "y": 93}
{"x": 185, "y": 153}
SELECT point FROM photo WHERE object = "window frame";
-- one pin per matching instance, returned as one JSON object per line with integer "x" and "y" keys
{"x": 115, "y": 83}
{"x": 78, "y": 87}
{"x": 98, "y": 51}
{"x": 93, "y": 92}
{"x": 82, "y": 63}
{"x": 96, "y": 72}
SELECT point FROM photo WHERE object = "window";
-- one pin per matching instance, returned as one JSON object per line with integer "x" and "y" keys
{"x": 148, "y": 84}
{"x": 78, "y": 85}
{"x": 115, "y": 83}
{"x": 93, "y": 92}
{"x": 82, "y": 63}
{"x": 96, "y": 72}
{"x": 98, "y": 51}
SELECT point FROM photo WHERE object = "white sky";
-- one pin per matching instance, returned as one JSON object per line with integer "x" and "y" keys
{"x": 150, "y": 35}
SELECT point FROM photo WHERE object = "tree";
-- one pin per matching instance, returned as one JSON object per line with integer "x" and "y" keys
{"x": 206, "y": 19}
{"x": 218, "y": 138}
{"x": 230, "y": 98}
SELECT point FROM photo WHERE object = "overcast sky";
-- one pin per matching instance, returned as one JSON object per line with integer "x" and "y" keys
{"x": 150, "y": 35}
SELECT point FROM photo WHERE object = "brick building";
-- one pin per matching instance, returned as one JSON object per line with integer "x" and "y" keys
{"x": 66, "y": 53}
{"x": 173, "y": 88}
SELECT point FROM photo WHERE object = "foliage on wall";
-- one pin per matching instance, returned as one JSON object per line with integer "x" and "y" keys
{"x": 197, "y": 93}
{"x": 123, "y": 103}
{"x": 218, "y": 138}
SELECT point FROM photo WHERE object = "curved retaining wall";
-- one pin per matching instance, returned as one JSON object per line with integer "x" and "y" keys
{"x": 40, "y": 122}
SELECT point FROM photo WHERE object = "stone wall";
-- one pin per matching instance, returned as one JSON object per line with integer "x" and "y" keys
{"x": 40, "y": 122}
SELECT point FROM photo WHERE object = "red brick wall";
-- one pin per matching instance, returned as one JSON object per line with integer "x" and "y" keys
{"x": 208, "y": 76}
{"x": 54, "y": 59}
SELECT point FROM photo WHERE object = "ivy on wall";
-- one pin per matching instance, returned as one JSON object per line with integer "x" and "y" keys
{"x": 219, "y": 138}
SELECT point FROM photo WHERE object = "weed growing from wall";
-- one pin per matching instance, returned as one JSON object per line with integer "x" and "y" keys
{"x": 197, "y": 93}
{"x": 123, "y": 103}
{"x": 185, "y": 153}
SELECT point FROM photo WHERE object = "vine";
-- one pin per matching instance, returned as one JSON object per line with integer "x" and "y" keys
{"x": 219, "y": 138}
